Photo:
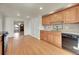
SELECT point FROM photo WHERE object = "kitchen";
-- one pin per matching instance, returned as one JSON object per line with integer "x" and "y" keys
{"x": 50, "y": 33}
{"x": 61, "y": 28}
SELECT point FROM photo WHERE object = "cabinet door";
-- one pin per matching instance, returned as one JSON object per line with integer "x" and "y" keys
{"x": 43, "y": 35}
{"x": 46, "y": 20}
{"x": 77, "y": 14}
{"x": 70, "y": 15}
{"x": 57, "y": 40}
{"x": 57, "y": 17}
{"x": 50, "y": 37}
{"x": 53, "y": 18}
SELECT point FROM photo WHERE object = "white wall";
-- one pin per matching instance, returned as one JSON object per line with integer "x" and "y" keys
{"x": 31, "y": 26}
{"x": 27, "y": 30}
{"x": 9, "y": 25}
{"x": 0, "y": 24}
{"x": 35, "y": 25}
{"x": 71, "y": 28}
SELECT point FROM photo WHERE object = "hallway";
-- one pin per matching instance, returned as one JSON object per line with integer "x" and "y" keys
{"x": 28, "y": 45}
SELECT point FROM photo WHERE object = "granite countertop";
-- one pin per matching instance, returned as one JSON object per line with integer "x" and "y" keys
{"x": 51, "y": 30}
{"x": 69, "y": 33}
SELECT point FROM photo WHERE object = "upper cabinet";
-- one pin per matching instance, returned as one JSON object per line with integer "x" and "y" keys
{"x": 57, "y": 17}
{"x": 46, "y": 20}
{"x": 70, "y": 15}
{"x": 77, "y": 14}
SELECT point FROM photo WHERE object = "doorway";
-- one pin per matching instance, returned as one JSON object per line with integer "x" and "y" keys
{"x": 18, "y": 28}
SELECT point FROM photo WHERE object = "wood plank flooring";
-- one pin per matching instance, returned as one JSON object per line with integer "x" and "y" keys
{"x": 28, "y": 45}
{"x": 0, "y": 46}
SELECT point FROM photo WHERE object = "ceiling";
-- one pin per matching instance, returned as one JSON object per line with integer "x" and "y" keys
{"x": 29, "y": 9}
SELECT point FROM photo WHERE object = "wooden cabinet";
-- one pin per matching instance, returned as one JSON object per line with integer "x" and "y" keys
{"x": 52, "y": 37}
{"x": 45, "y": 20}
{"x": 53, "y": 18}
{"x": 67, "y": 16}
{"x": 47, "y": 36}
{"x": 43, "y": 35}
{"x": 57, "y": 39}
{"x": 57, "y": 17}
{"x": 77, "y": 14}
{"x": 70, "y": 15}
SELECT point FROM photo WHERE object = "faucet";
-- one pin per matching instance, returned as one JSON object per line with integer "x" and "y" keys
{"x": 57, "y": 28}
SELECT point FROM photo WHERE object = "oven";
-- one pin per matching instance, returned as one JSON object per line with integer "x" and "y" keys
{"x": 70, "y": 42}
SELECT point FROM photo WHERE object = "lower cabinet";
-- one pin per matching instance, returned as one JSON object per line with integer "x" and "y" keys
{"x": 43, "y": 35}
{"x": 57, "y": 40}
{"x": 52, "y": 37}
{"x": 0, "y": 38}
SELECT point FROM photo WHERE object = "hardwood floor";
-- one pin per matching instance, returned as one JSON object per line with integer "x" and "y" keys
{"x": 0, "y": 46}
{"x": 28, "y": 45}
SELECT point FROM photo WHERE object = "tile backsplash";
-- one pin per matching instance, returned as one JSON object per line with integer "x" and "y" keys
{"x": 47, "y": 27}
{"x": 53, "y": 27}
{"x": 66, "y": 27}
{"x": 70, "y": 28}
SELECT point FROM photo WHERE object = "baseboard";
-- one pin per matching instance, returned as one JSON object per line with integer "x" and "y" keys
{"x": 35, "y": 37}
{"x": 27, "y": 35}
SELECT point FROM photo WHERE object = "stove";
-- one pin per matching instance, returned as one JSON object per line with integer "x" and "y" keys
{"x": 70, "y": 42}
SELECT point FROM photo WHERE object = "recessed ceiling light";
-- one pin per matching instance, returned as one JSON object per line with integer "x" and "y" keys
{"x": 18, "y": 14}
{"x": 22, "y": 25}
{"x": 41, "y": 8}
{"x": 16, "y": 25}
{"x": 28, "y": 16}
{"x": 19, "y": 23}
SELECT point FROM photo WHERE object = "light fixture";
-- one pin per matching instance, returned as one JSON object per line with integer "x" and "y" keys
{"x": 19, "y": 23}
{"x": 28, "y": 16}
{"x": 41, "y": 8}
{"x": 22, "y": 25}
{"x": 18, "y": 14}
{"x": 16, "y": 25}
